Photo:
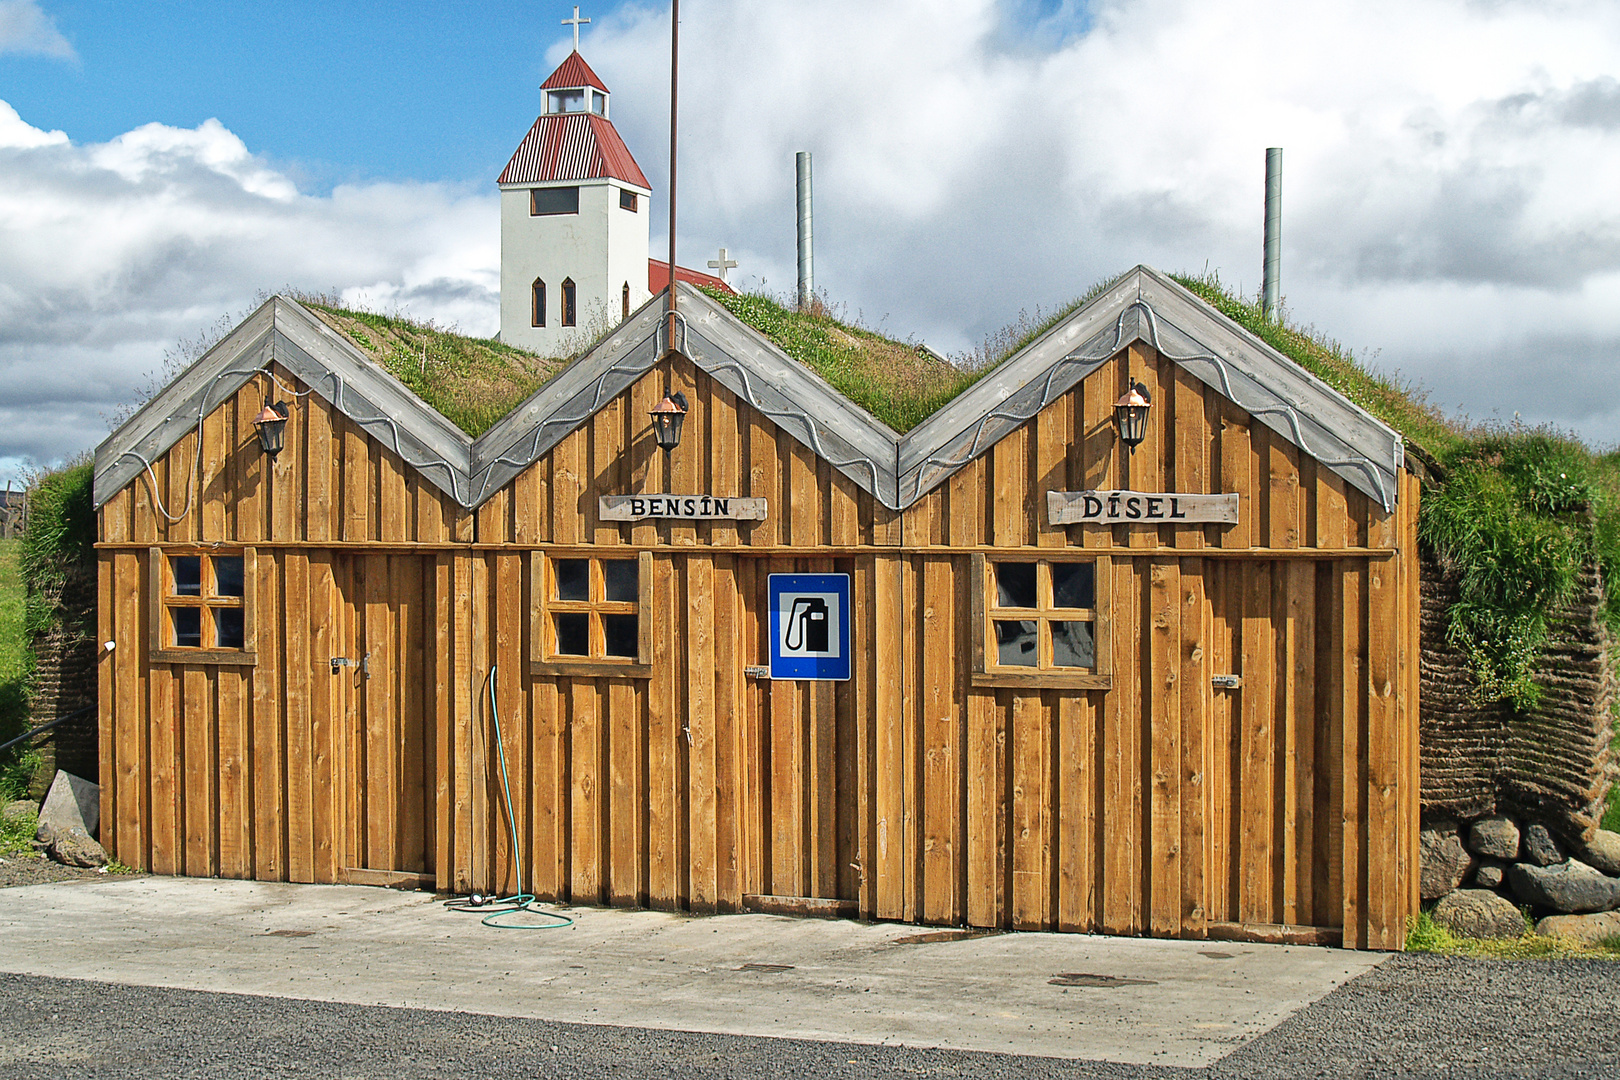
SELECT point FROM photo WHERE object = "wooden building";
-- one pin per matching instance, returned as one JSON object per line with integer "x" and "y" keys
{"x": 1211, "y": 731}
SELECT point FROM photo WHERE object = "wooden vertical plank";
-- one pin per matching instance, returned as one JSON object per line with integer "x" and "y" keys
{"x": 821, "y": 777}
{"x": 1237, "y": 474}
{"x": 626, "y": 816}
{"x": 1100, "y": 450}
{"x": 1353, "y": 822}
{"x": 664, "y": 827}
{"x": 1028, "y": 734}
{"x": 941, "y": 776}
{"x": 326, "y": 715}
{"x": 700, "y": 732}
{"x": 1122, "y": 780}
{"x": 269, "y": 723}
{"x": 726, "y": 461}
{"x": 1301, "y": 712}
{"x": 391, "y": 498}
{"x": 214, "y": 493}
{"x": 1258, "y": 858}
{"x": 201, "y": 793}
{"x": 320, "y": 474}
{"x": 168, "y": 848}
{"x": 607, "y": 442}
{"x": 1196, "y": 748}
{"x": 788, "y": 785}
{"x": 685, "y": 470}
{"x": 1145, "y": 468}
{"x": 1009, "y": 468}
{"x": 764, "y": 479}
{"x": 1383, "y": 906}
{"x": 1054, "y": 433}
{"x": 1163, "y": 712}
{"x": 235, "y": 814}
{"x": 107, "y": 727}
{"x": 126, "y": 706}
{"x": 730, "y": 728}
{"x": 585, "y": 812}
{"x": 1077, "y": 812}
{"x": 1327, "y": 882}
{"x": 299, "y": 764}
{"x": 804, "y": 510}
{"x": 507, "y": 660}
{"x": 1192, "y": 446}
{"x": 889, "y": 766}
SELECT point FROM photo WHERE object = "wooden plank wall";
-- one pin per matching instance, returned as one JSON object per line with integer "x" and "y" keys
{"x": 1162, "y": 806}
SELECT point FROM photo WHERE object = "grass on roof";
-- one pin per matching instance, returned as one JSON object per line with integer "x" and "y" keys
{"x": 897, "y": 383}
{"x": 473, "y": 382}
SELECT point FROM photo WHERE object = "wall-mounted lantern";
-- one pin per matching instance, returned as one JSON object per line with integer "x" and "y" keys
{"x": 667, "y": 417}
{"x": 272, "y": 425}
{"x": 1131, "y": 412}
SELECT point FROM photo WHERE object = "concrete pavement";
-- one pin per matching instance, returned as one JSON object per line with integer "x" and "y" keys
{"x": 1144, "y": 1001}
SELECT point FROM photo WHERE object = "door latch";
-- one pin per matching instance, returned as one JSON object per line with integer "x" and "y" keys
{"x": 364, "y": 664}
{"x": 1227, "y": 682}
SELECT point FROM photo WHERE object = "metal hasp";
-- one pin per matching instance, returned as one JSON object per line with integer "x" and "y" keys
{"x": 340, "y": 662}
{"x": 807, "y": 267}
{"x": 1271, "y": 270}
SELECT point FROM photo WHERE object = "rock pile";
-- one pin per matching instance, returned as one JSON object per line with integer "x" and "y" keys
{"x": 1483, "y": 871}
{"x": 68, "y": 822}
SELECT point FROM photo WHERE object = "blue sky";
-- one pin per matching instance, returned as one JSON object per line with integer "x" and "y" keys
{"x": 1448, "y": 184}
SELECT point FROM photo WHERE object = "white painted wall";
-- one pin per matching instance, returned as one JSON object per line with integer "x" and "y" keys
{"x": 601, "y": 247}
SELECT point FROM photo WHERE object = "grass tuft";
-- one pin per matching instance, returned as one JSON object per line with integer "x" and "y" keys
{"x": 17, "y": 835}
{"x": 1424, "y": 935}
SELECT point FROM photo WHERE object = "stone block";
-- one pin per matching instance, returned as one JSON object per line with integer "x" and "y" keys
{"x": 1494, "y": 838}
{"x": 1478, "y": 913}
{"x": 1602, "y": 852}
{"x": 1570, "y": 888}
{"x": 1586, "y": 929}
{"x": 74, "y": 848}
{"x": 1540, "y": 847}
{"x": 1446, "y": 863}
{"x": 1490, "y": 875}
{"x": 72, "y": 803}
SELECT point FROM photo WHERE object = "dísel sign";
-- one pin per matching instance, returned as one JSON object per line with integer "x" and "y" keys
{"x": 702, "y": 507}
{"x": 1146, "y": 507}
{"x": 809, "y": 626}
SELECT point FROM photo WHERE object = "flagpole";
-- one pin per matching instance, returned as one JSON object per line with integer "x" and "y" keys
{"x": 674, "y": 85}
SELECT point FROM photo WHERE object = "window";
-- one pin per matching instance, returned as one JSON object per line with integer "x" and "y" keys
{"x": 539, "y": 303}
{"x": 569, "y": 309}
{"x": 624, "y": 301}
{"x": 565, "y": 100}
{"x": 546, "y": 201}
{"x": 1041, "y": 622}
{"x": 202, "y": 608}
{"x": 591, "y": 614}
{"x": 627, "y": 200}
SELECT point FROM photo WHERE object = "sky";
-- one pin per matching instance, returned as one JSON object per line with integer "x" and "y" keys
{"x": 1449, "y": 180}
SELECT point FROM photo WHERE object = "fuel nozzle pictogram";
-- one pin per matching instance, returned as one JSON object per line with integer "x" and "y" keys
{"x": 806, "y": 629}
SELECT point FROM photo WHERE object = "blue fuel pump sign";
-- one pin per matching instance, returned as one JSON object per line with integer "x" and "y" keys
{"x": 809, "y": 626}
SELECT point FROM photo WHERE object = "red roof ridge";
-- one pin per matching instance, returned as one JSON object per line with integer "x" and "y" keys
{"x": 658, "y": 278}
{"x": 573, "y": 71}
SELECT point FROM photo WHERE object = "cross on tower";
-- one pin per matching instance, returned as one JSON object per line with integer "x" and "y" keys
{"x": 575, "y": 22}
{"x": 722, "y": 264}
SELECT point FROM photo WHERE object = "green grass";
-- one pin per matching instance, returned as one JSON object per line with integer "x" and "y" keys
{"x": 1424, "y": 935}
{"x": 15, "y": 836}
{"x": 473, "y": 382}
{"x": 892, "y": 380}
{"x": 16, "y": 764}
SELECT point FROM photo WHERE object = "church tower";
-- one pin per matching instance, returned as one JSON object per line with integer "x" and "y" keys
{"x": 575, "y": 217}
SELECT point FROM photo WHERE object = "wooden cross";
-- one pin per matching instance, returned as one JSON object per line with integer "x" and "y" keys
{"x": 722, "y": 264}
{"x": 575, "y": 22}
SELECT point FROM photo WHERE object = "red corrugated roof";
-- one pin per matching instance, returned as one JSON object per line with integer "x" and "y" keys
{"x": 573, "y": 71}
{"x": 658, "y": 278}
{"x": 572, "y": 146}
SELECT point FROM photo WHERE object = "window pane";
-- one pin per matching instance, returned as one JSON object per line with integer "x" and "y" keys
{"x": 573, "y": 579}
{"x": 1073, "y": 645}
{"x": 620, "y": 632}
{"x": 187, "y": 626}
{"x": 1015, "y": 584}
{"x": 560, "y": 200}
{"x": 1074, "y": 584}
{"x": 187, "y": 574}
{"x": 228, "y": 575}
{"x": 1015, "y": 643}
{"x": 573, "y": 634}
{"x": 619, "y": 575}
{"x": 228, "y": 627}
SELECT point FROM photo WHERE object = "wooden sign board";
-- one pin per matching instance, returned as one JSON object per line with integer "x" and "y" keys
{"x": 1138, "y": 507}
{"x": 685, "y": 507}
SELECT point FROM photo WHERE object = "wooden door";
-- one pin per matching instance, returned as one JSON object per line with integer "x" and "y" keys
{"x": 383, "y": 683}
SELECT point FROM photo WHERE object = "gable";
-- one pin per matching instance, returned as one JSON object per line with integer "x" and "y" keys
{"x": 1142, "y": 307}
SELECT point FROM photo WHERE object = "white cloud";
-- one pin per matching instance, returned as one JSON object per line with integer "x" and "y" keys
{"x": 25, "y": 29}
{"x": 1448, "y": 183}
{"x": 111, "y": 253}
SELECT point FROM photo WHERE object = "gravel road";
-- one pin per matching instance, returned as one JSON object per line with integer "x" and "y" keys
{"x": 1415, "y": 1016}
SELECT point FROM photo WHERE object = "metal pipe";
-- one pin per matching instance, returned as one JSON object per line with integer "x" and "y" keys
{"x": 1271, "y": 273}
{"x": 807, "y": 276}
{"x": 674, "y": 86}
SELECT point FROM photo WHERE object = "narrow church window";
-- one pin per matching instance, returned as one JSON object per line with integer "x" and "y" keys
{"x": 1040, "y": 621}
{"x": 547, "y": 201}
{"x": 203, "y": 606}
{"x": 589, "y": 617}
{"x": 624, "y": 300}
{"x": 568, "y": 309}
{"x": 539, "y": 303}
{"x": 627, "y": 200}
